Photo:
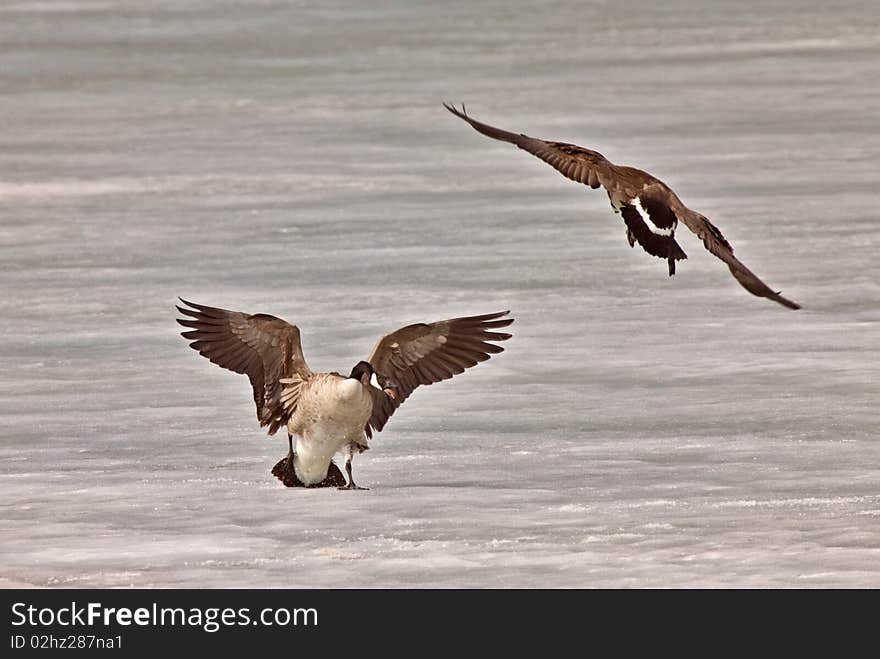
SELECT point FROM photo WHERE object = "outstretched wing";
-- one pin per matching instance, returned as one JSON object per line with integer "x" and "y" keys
{"x": 644, "y": 200}
{"x": 572, "y": 161}
{"x": 428, "y": 353}
{"x": 263, "y": 347}
{"x": 718, "y": 245}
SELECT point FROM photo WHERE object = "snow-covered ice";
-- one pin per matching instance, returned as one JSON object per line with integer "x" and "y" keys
{"x": 295, "y": 159}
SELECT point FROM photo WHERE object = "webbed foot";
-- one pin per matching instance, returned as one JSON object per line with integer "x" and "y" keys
{"x": 351, "y": 486}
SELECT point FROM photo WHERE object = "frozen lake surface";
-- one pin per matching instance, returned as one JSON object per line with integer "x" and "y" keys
{"x": 294, "y": 159}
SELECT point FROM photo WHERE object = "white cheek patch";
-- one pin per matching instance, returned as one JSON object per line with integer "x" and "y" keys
{"x": 653, "y": 228}
{"x": 375, "y": 381}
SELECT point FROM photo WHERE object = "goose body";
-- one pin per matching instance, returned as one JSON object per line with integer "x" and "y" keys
{"x": 329, "y": 413}
{"x": 650, "y": 209}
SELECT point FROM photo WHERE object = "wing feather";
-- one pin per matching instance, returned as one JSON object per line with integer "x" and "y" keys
{"x": 717, "y": 244}
{"x": 574, "y": 162}
{"x": 425, "y": 353}
{"x": 265, "y": 348}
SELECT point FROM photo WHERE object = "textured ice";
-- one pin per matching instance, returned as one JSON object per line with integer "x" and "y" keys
{"x": 294, "y": 158}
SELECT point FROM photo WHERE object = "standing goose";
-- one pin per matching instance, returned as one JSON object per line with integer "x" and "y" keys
{"x": 650, "y": 209}
{"x": 330, "y": 413}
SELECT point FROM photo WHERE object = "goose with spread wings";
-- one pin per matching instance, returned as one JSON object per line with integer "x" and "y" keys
{"x": 651, "y": 211}
{"x": 329, "y": 413}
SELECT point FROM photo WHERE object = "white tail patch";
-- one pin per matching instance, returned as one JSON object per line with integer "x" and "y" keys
{"x": 653, "y": 228}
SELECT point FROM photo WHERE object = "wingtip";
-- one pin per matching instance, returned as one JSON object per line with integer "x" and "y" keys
{"x": 501, "y": 320}
{"x": 749, "y": 281}
{"x": 785, "y": 302}
{"x": 497, "y": 317}
{"x": 191, "y": 311}
{"x": 462, "y": 114}
{"x": 779, "y": 299}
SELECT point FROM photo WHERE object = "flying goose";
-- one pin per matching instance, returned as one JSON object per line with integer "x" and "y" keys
{"x": 327, "y": 412}
{"x": 650, "y": 209}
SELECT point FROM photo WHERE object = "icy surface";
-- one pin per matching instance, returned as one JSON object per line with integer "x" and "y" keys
{"x": 294, "y": 158}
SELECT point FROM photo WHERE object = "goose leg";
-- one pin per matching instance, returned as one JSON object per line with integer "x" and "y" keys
{"x": 284, "y": 471}
{"x": 351, "y": 484}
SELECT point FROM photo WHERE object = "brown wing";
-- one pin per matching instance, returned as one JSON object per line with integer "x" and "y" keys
{"x": 428, "y": 353}
{"x": 263, "y": 347}
{"x": 718, "y": 245}
{"x": 572, "y": 161}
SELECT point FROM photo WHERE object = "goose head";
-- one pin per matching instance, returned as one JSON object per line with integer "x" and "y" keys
{"x": 363, "y": 372}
